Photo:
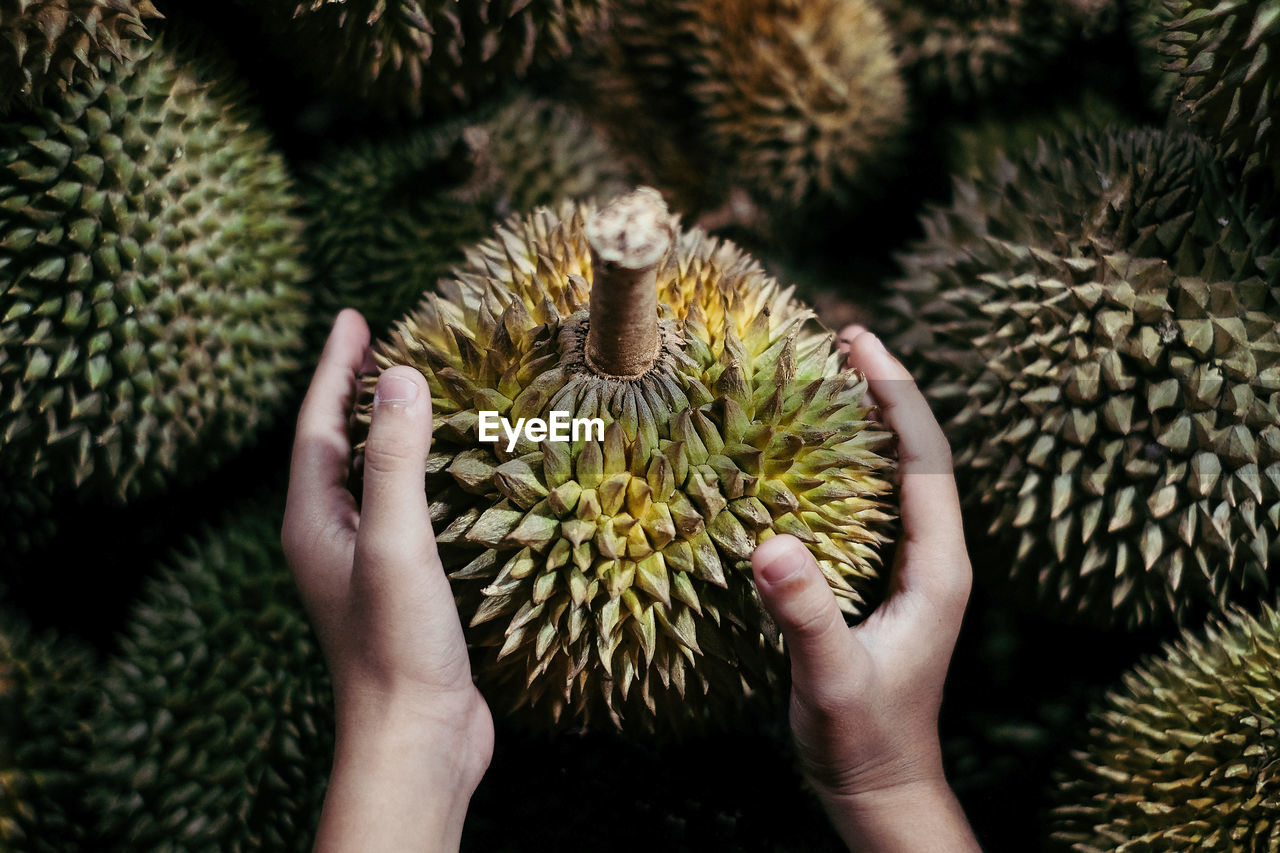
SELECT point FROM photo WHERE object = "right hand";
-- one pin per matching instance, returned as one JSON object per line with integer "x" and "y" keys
{"x": 865, "y": 700}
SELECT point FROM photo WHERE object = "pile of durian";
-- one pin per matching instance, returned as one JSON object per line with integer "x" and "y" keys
{"x": 1061, "y": 214}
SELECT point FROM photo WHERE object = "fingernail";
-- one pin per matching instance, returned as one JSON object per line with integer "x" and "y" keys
{"x": 395, "y": 390}
{"x": 874, "y": 340}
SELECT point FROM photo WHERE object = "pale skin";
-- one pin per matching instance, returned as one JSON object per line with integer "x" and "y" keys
{"x": 414, "y": 735}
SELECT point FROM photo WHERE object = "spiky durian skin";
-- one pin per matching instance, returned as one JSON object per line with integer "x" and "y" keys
{"x": 48, "y": 45}
{"x": 216, "y": 726}
{"x": 387, "y": 219}
{"x": 612, "y": 578}
{"x": 1097, "y": 324}
{"x": 48, "y": 690}
{"x": 1216, "y": 64}
{"x": 975, "y": 50}
{"x": 151, "y": 307}
{"x": 801, "y": 98}
{"x": 797, "y": 103}
{"x": 415, "y": 54}
{"x": 1187, "y": 754}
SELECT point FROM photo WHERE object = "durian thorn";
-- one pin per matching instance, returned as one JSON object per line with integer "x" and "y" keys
{"x": 628, "y": 238}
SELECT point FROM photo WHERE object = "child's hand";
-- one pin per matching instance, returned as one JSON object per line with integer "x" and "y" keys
{"x": 414, "y": 734}
{"x": 865, "y": 700}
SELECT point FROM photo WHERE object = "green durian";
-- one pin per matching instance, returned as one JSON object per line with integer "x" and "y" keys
{"x": 50, "y": 45}
{"x": 387, "y": 219}
{"x": 423, "y": 54}
{"x": 1214, "y": 63}
{"x": 977, "y": 50}
{"x": 151, "y": 306}
{"x": 216, "y": 727}
{"x": 801, "y": 99}
{"x": 1098, "y": 324}
{"x": 799, "y": 104}
{"x": 1186, "y": 755}
{"x": 48, "y": 691}
{"x": 608, "y": 578}
{"x": 975, "y": 146}
{"x": 25, "y": 523}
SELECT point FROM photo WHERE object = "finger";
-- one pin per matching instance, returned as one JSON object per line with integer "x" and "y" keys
{"x": 800, "y": 600}
{"x": 927, "y": 497}
{"x": 318, "y": 497}
{"x": 844, "y": 339}
{"x": 844, "y": 344}
{"x": 395, "y": 536}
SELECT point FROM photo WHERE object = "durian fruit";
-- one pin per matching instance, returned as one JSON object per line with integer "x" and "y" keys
{"x": 964, "y": 51}
{"x": 216, "y": 727}
{"x": 1215, "y": 63}
{"x": 24, "y": 517}
{"x": 47, "y": 696}
{"x": 48, "y": 45}
{"x": 796, "y": 102}
{"x": 1186, "y": 755}
{"x": 1098, "y": 324}
{"x": 151, "y": 307}
{"x": 414, "y": 54}
{"x": 801, "y": 99}
{"x": 387, "y": 219}
{"x": 975, "y": 146}
{"x": 608, "y": 578}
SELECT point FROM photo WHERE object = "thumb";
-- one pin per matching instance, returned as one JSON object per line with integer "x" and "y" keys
{"x": 393, "y": 511}
{"x": 801, "y": 602}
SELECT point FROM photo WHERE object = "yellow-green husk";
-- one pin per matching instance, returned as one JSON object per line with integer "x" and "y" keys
{"x": 610, "y": 580}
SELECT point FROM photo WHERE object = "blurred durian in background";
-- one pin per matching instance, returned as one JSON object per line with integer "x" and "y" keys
{"x": 1107, "y": 363}
{"x": 968, "y": 51}
{"x": 796, "y": 104}
{"x": 388, "y": 219}
{"x": 1184, "y": 755}
{"x": 153, "y": 308}
{"x": 412, "y": 56}
{"x": 215, "y": 726}
{"x": 49, "y": 687}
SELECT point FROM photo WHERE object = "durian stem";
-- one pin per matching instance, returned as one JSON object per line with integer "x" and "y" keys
{"x": 628, "y": 238}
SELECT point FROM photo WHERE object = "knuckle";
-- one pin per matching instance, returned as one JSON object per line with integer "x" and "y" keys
{"x": 385, "y": 454}
{"x": 811, "y": 615}
{"x": 318, "y": 443}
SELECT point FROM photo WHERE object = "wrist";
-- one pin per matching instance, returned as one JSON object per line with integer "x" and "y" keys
{"x": 905, "y": 762}
{"x": 404, "y": 770}
{"x": 450, "y": 734}
{"x": 919, "y": 815}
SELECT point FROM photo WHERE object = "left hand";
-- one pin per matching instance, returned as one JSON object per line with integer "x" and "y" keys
{"x": 414, "y": 734}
